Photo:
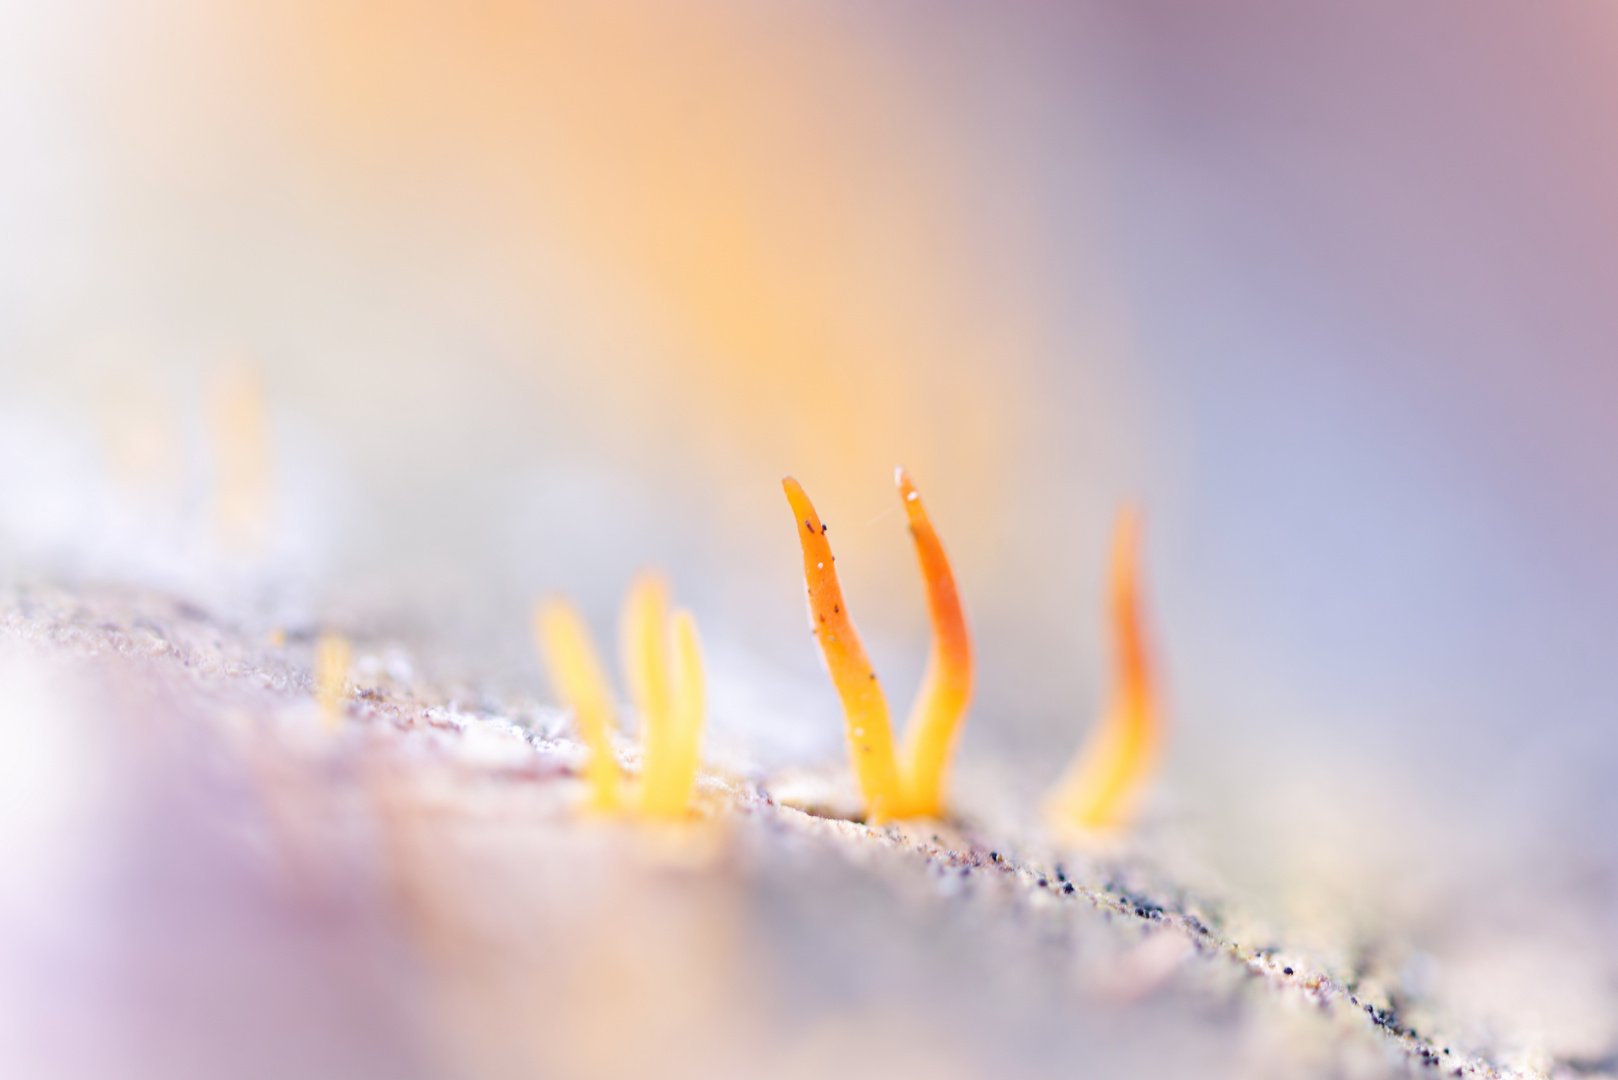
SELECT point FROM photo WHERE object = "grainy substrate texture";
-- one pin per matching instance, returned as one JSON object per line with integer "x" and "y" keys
{"x": 209, "y": 881}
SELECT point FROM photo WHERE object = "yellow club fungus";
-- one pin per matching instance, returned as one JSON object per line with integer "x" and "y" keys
{"x": 245, "y": 477}
{"x": 577, "y": 676}
{"x": 1103, "y": 785}
{"x": 662, "y": 660}
{"x": 891, "y": 790}
{"x": 332, "y": 654}
{"x": 663, "y": 667}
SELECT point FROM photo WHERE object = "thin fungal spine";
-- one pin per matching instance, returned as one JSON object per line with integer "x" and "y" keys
{"x": 1103, "y": 785}
{"x": 865, "y": 708}
{"x": 577, "y": 676}
{"x": 688, "y": 693}
{"x": 663, "y": 666}
{"x": 332, "y": 655}
{"x": 946, "y": 689}
{"x": 646, "y": 675}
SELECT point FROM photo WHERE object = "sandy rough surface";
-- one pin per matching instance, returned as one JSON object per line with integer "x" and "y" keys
{"x": 212, "y": 882}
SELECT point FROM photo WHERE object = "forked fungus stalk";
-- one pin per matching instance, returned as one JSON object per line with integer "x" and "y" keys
{"x": 662, "y": 660}
{"x": 914, "y": 788}
{"x": 1102, "y": 787}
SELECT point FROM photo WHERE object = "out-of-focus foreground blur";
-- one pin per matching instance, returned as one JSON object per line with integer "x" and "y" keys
{"x": 391, "y": 318}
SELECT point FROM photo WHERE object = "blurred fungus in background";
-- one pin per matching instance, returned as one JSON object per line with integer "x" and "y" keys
{"x": 392, "y": 317}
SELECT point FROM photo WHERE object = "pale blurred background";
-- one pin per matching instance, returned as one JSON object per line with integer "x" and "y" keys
{"x": 395, "y": 316}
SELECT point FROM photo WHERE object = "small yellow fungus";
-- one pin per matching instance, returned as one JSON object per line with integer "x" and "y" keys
{"x": 1103, "y": 785}
{"x": 663, "y": 667}
{"x": 946, "y": 689}
{"x": 244, "y": 473}
{"x": 332, "y": 654}
{"x": 690, "y": 693}
{"x": 577, "y": 675}
{"x": 644, "y": 643}
{"x": 917, "y": 788}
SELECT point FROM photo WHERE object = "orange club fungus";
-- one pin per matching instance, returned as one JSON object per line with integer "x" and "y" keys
{"x": 662, "y": 659}
{"x": 1103, "y": 785}
{"x": 894, "y": 787}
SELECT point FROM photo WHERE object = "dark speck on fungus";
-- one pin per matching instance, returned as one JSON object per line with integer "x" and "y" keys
{"x": 1286, "y": 971}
